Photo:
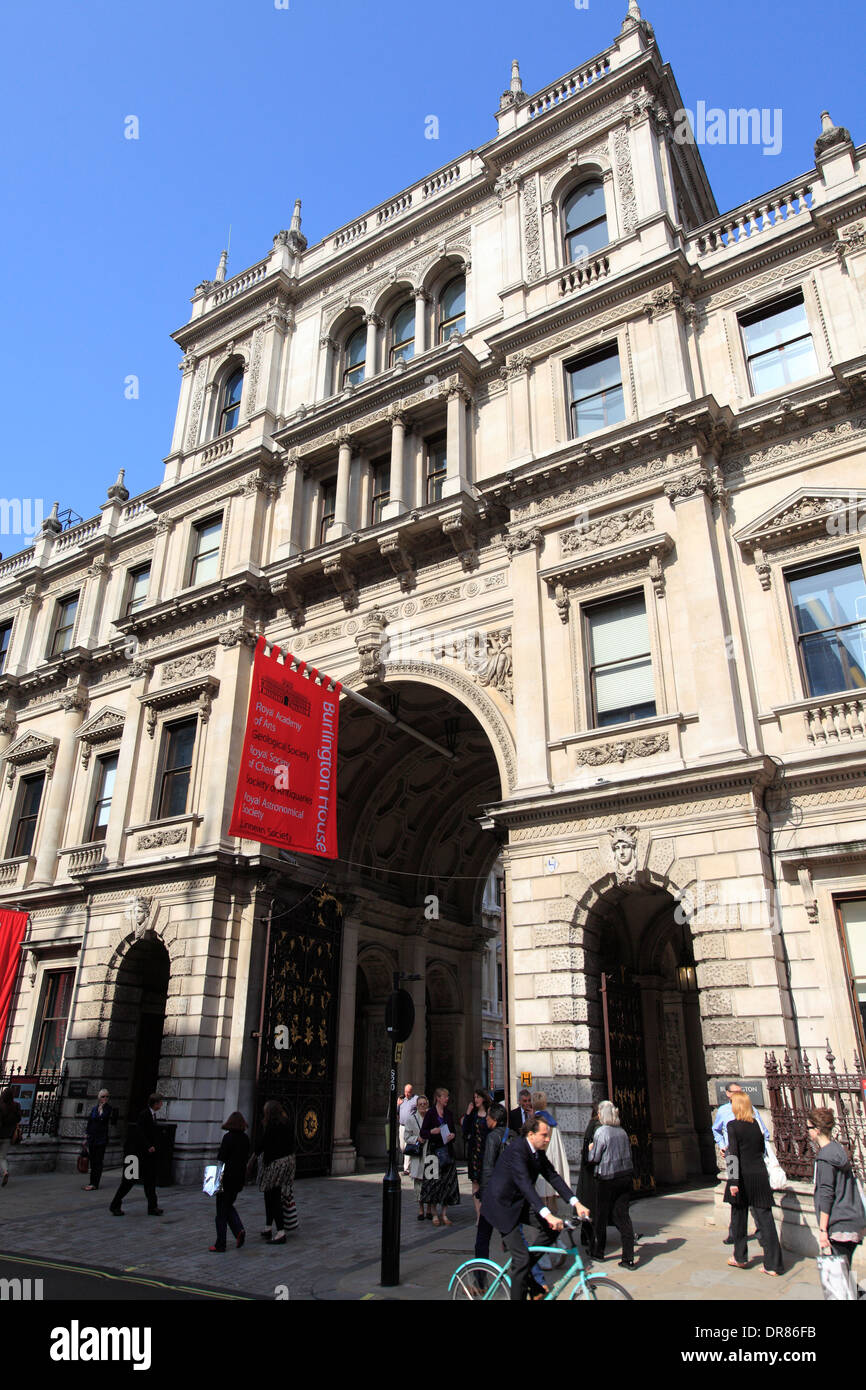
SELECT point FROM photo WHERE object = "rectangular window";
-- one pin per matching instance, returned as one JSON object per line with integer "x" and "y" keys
{"x": 139, "y": 583}
{"x": 329, "y": 508}
{"x": 381, "y": 470}
{"x": 852, "y": 922}
{"x": 595, "y": 384}
{"x": 5, "y": 637}
{"x": 29, "y": 800}
{"x": 178, "y": 743}
{"x": 64, "y": 625}
{"x": 437, "y": 469}
{"x": 54, "y": 1017}
{"x": 778, "y": 344}
{"x": 107, "y": 771}
{"x": 206, "y": 550}
{"x": 829, "y": 607}
{"x": 620, "y": 674}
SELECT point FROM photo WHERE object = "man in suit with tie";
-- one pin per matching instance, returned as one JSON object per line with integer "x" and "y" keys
{"x": 510, "y": 1198}
{"x": 522, "y": 1112}
{"x": 146, "y": 1154}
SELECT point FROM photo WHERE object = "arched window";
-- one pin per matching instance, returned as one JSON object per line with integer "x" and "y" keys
{"x": 403, "y": 334}
{"x": 355, "y": 358}
{"x": 231, "y": 406}
{"x": 585, "y": 221}
{"x": 452, "y": 309}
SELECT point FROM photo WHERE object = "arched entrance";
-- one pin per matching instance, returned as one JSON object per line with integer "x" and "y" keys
{"x": 418, "y": 858}
{"x": 131, "y": 1068}
{"x": 651, "y": 1044}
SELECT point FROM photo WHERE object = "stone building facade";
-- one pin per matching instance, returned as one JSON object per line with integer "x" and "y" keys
{"x": 565, "y": 469}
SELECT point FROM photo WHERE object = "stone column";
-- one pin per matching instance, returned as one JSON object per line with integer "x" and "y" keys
{"x": 530, "y": 710}
{"x": 720, "y": 728}
{"x": 125, "y": 780}
{"x": 457, "y": 475}
{"x": 161, "y": 584}
{"x": 396, "y": 505}
{"x": 508, "y": 192}
{"x": 516, "y": 374}
{"x": 74, "y": 702}
{"x": 18, "y": 659}
{"x": 226, "y": 721}
{"x": 343, "y": 1154}
{"x": 374, "y": 323}
{"x": 422, "y": 299}
{"x": 93, "y": 605}
{"x": 187, "y": 367}
{"x": 326, "y": 385}
{"x": 340, "y": 525}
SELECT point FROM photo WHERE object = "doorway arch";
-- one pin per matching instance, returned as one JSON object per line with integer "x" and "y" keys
{"x": 133, "y": 1051}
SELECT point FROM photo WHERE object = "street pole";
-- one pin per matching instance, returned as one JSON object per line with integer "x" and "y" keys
{"x": 399, "y": 1019}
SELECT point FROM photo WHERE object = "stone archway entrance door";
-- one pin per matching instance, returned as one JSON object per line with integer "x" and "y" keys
{"x": 415, "y": 862}
{"x": 131, "y": 1067}
{"x": 650, "y": 1034}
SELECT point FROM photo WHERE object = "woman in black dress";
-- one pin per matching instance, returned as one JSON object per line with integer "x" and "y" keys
{"x": 475, "y": 1130}
{"x": 748, "y": 1187}
{"x": 276, "y": 1144}
{"x": 234, "y": 1153}
{"x": 439, "y": 1188}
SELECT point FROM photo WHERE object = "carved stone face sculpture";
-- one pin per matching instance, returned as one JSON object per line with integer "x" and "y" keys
{"x": 623, "y": 843}
{"x": 137, "y": 911}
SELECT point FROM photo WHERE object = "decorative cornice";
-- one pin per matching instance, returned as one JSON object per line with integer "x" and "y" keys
{"x": 646, "y": 553}
{"x": 201, "y": 692}
{"x": 621, "y": 750}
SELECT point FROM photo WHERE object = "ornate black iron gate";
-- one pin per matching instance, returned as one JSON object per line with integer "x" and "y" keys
{"x": 299, "y": 1046}
{"x": 626, "y": 1067}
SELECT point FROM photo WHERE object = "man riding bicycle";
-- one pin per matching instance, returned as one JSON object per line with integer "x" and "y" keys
{"x": 510, "y": 1199}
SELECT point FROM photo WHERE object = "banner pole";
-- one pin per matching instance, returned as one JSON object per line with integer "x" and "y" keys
{"x": 385, "y": 714}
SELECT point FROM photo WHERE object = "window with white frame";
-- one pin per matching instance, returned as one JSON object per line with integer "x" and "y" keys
{"x": 380, "y": 471}
{"x": 30, "y": 791}
{"x": 585, "y": 221}
{"x": 828, "y": 602}
{"x": 106, "y": 772}
{"x": 778, "y": 344}
{"x": 620, "y": 661}
{"x": 230, "y": 408}
{"x": 852, "y": 928}
{"x": 64, "y": 625}
{"x": 329, "y": 507}
{"x": 138, "y": 583}
{"x": 206, "y": 550}
{"x": 595, "y": 390}
{"x": 178, "y": 742}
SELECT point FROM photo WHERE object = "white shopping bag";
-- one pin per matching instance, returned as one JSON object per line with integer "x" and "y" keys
{"x": 837, "y": 1281}
{"x": 213, "y": 1176}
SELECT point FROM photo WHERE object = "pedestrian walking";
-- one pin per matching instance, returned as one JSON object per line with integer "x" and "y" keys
{"x": 439, "y": 1188}
{"x": 10, "y": 1129}
{"x": 416, "y": 1152}
{"x": 610, "y": 1154}
{"x": 587, "y": 1190}
{"x": 499, "y": 1136}
{"x": 96, "y": 1138}
{"x": 748, "y": 1187}
{"x": 145, "y": 1157}
{"x": 839, "y": 1205}
{"x": 723, "y": 1117}
{"x": 276, "y": 1146}
{"x": 475, "y": 1130}
{"x": 407, "y": 1106}
{"x": 234, "y": 1152}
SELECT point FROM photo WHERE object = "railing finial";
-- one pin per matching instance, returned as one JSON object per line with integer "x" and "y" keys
{"x": 220, "y": 274}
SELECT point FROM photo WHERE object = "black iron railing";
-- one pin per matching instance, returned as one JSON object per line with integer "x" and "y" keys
{"x": 43, "y": 1115}
{"x": 794, "y": 1087}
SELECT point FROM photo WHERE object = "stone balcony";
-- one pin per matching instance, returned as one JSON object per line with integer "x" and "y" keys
{"x": 172, "y": 838}
{"x": 829, "y": 721}
{"x": 15, "y": 874}
{"x": 585, "y": 759}
{"x": 76, "y": 861}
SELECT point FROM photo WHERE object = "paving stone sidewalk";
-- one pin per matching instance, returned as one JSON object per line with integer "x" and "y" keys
{"x": 335, "y": 1253}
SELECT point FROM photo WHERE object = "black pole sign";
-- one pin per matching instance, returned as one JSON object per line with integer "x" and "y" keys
{"x": 399, "y": 1020}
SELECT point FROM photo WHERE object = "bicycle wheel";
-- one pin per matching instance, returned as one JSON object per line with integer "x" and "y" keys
{"x": 597, "y": 1288}
{"x": 472, "y": 1280}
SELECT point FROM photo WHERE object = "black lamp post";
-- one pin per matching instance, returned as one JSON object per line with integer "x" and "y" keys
{"x": 399, "y": 1021}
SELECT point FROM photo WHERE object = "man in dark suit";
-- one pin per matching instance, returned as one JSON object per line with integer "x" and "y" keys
{"x": 522, "y": 1112}
{"x": 510, "y": 1198}
{"x": 146, "y": 1158}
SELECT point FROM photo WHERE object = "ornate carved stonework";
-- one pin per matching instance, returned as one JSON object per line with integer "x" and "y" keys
{"x": 195, "y": 406}
{"x": 531, "y": 232}
{"x": 28, "y": 750}
{"x": 156, "y": 839}
{"x": 104, "y": 727}
{"x": 622, "y": 749}
{"x": 623, "y": 845}
{"x": 372, "y": 644}
{"x": 237, "y": 635}
{"x": 607, "y": 530}
{"x": 486, "y": 655}
{"x": 686, "y": 487}
{"x": 255, "y": 368}
{"x": 515, "y": 366}
{"x": 136, "y": 913}
{"x": 849, "y": 239}
{"x": 187, "y": 666}
{"x": 75, "y": 698}
{"x": 139, "y": 668}
{"x": 625, "y": 181}
{"x": 516, "y": 541}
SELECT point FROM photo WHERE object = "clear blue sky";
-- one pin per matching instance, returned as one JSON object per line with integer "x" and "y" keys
{"x": 242, "y": 108}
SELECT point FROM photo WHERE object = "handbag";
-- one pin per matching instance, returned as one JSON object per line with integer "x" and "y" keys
{"x": 413, "y": 1147}
{"x": 213, "y": 1179}
{"x": 18, "y": 1134}
{"x": 444, "y": 1157}
{"x": 838, "y": 1283}
{"x": 83, "y": 1162}
{"x": 775, "y": 1172}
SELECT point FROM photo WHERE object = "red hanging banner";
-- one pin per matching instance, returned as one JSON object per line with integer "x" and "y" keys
{"x": 287, "y": 787}
{"x": 12, "y": 928}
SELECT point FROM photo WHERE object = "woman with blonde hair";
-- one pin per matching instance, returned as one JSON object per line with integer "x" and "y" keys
{"x": 439, "y": 1188}
{"x": 610, "y": 1153}
{"x": 748, "y": 1187}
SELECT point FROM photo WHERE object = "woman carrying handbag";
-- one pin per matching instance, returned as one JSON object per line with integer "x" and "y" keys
{"x": 838, "y": 1207}
{"x": 234, "y": 1153}
{"x": 748, "y": 1187}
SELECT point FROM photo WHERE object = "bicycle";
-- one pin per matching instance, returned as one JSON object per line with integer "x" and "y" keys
{"x": 485, "y": 1280}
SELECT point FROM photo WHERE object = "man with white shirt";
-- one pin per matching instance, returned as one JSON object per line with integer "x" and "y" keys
{"x": 510, "y": 1199}
{"x": 408, "y": 1105}
{"x": 724, "y": 1114}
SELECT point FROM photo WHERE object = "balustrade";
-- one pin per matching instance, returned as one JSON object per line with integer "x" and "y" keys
{"x": 836, "y": 719}
{"x": 774, "y": 209}
{"x": 569, "y": 87}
